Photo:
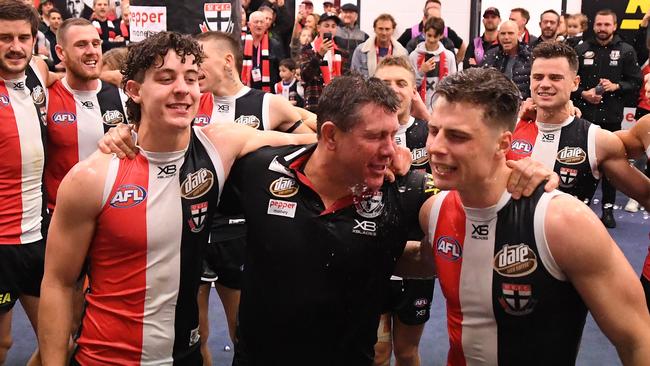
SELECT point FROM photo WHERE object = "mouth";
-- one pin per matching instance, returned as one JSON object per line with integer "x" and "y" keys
{"x": 545, "y": 94}
{"x": 90, "y": 63}
{"x": 378, "y": 168}
{"x": 443, "y": 169}
{"x": 179, "y": 107}
{"x": 15, "y": 56}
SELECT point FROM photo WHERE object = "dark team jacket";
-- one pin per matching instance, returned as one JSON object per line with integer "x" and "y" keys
{"x": 570, "y": 150}
{"x": 314, "y": 277}
{"x": 496, "y": 58}
{"x": 617, "y": 62}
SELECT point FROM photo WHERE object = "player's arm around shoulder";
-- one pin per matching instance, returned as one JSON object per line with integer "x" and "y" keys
{"x": 417, "y": 259}
{"x": 601, "y": 274}
{"x": 73, "y": 224}
{"x": 284, "y": 116}
{"x": 636, "y": 138}
{"x": 613, "y": 161}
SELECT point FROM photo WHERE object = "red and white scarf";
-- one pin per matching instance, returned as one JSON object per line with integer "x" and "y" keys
{"x": 263, "y": 62}
{"x": 333, "y": 70}
{"x": 443, "y": 70}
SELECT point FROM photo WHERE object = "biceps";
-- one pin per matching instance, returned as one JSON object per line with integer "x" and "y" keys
{"x": 67, "y": 245}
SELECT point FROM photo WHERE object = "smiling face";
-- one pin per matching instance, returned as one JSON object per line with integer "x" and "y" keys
{"x": 16, "y": 45}
{"x": 402, "y": 81}
{"x": 551, "y": 83}
{"x": 169, "y": 94}
{"x": 81, "y": 50}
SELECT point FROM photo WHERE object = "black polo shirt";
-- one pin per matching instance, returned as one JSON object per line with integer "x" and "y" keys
{"x": 314, "y": 278}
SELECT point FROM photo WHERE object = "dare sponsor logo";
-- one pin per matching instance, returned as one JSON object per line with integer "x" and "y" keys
{"x": 282, "y": 208}
{"x": 448, "y": 248}
{"x": 419, "y": 157}
{"x": 64, "y": 118}
{"x": 197, "y": 184}
{"x": 521, "y": 147}
{"x": 283, "y": 187}
{"x": 113, "y": 117}
{"x": 571, "y": 155}
{"x": 128, "y": 195}
{"x": 516, "y": 299}
{"x": 201, "y": 120}
{"x": 370, "y": 206}
{"x": 4, "y": 100}
{"x": 251, "y": 121}
{"x": 515, "y": 260}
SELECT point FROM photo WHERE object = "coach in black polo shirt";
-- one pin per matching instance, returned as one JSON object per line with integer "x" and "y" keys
{"x": 321, "y": 245}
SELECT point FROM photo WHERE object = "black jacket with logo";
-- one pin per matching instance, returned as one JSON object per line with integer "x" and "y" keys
{"x": 616, "y": 62}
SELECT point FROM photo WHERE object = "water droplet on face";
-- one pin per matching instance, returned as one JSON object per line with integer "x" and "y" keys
{"x": 226, "y": 348}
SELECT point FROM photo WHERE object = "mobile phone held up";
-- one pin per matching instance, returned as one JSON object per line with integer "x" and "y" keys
{"x": 431, "y": 73}
{"x": 327, "y": 36}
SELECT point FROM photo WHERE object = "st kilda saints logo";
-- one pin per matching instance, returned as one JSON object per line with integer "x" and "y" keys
{"x": 515, "y": 261}
{"x": 198, "y": 214}
{"x": 197, "y": 184}
{"x": 370, "y": 206}
{"x": 516, "y": 299}
{"x": 218, "y": 17}
{"x": 283, "y": 187}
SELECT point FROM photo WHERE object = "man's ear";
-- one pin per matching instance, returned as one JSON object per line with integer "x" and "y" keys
{"x": 329, "y": 135}
{"x": 132, "y": 89}
{"x": 504, "y": 143}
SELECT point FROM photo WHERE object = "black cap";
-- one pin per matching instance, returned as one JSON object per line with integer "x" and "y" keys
{"x": 492, "y": 11}
{"x": 350, "y": 7}
{"x": 328, "y": 3}
{"x": 329, "y": 16}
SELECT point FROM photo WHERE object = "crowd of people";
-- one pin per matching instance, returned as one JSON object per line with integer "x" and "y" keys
{"x": 375, "y": 164}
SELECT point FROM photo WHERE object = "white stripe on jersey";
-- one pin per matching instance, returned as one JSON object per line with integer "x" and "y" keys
{"x": 266, "y": 112}
{"x": 547, "y": 142}
{"x": 33, "y": 160}
{"x": 540, "y": 236}
{"x": 223, "y": 109}
{"x": 90, "y": 125}
{"x": 164, "y": 233}
{"x": 479, "y": 324}
{"x": 591, "y": 150}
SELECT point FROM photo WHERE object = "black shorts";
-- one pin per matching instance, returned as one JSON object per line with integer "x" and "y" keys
{"x": 646, "y": 288}
{"x": 224, "y": 262}
{"x": 410, "y": 300}
{"x": 21, "y": 272}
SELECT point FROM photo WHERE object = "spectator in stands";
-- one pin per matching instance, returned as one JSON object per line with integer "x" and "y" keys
{"x": 511, "y": 57}
{"x": 125, "y": 20}
{"x": 114, "y": 59}
{"x": 109, "y": 30}
{"x": 431, "y": 60}
{"x": 521, "y": 16}
{"x": 305, "y": 8}
{"x": 44, "y": 8}
{"x": 279, "y": 21}
{"x": 480, "y": 45}
{"x": 304, "y": 40}
{"x": 576, "y": 25}
{"x": 369, "y": 54}
{"x": 289, "y": 87}
{"x": 348, "y": 34}
{"x": 262, "y": 55}
{"x": 549, "y": 22}
{"x": 561, "y": 28}
{"x": 609, "y": 73}
{"x": 329, "y": 8}
{"x": 54, "y": 20}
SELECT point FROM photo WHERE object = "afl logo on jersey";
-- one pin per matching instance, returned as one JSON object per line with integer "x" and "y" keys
{"x": 419, "y": 156}
{"x": 197, "y": 184}
{"x": 128, "y": 195}
{"x": 113, "y": 117}
{"x": 251, "y": 121}
{"x": 283, "y": 187}
{"x": 421, "y": 302}
{"x": 64, "y": 117}
{"x": 38, "y": 95}
{"x": 449, "y": 249}
{"x": 571, "y": 155}
{"x": 4, "y": 100}
{"x": 201, "y": 120}
{"x": 370, "y": 206}
{"x": 515, "y": 260}
{"x": 521, "y": 147}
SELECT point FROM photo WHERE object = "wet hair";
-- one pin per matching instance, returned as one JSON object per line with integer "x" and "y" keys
{"x": 115, "y": 58}
{"x": 524, "y": 13}
{"x": 18, "y": 10}
{"x": 384, "y": 17}
{"x": 554, "y": 49}
{"x": 343, "y": 99}
{"x": 289, "y": 63}
{"x": 435, "y": 23}
{"x": 69, "y": 23}
{"x": 150, "y": 53}
{"x": 605, "y": 12}
{"x": 486, "y": 88}
{"x": 399, "y": 61}
{"x": 225, "y": 40}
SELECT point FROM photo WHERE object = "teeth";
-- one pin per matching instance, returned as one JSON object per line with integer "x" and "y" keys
{"x": 443, "y": 169}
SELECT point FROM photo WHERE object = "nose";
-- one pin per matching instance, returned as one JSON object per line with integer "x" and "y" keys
{"x": 181, "y": 87}
{"x": 436, "y": 145}
{"x": 388, "y": 147}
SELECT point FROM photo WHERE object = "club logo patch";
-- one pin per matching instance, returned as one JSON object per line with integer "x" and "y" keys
{"x": 283, "y": 187}
{"x": 516, "y": 299}
{"x": 198, "y": 212}
{"x": 571, "y": 155}
{"x": 38, "y": 95}
{"x": 568, "y": 177}
{"x": 521, "y": 147}
{"x": 449, "y": 249}
{"x": 515, "y": 261}
{"x": 197, "y": 184}
{"x": 250, "y": 121}
{"x": 217, "y": 17}
{"x": 113, "y": 117}
{"x": 370, "y": 206}
{"x": 615, "y": 55}
{"x": 128, "y": 195}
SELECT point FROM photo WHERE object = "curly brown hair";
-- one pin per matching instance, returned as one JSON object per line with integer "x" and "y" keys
{"x": 151, "y": 53}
